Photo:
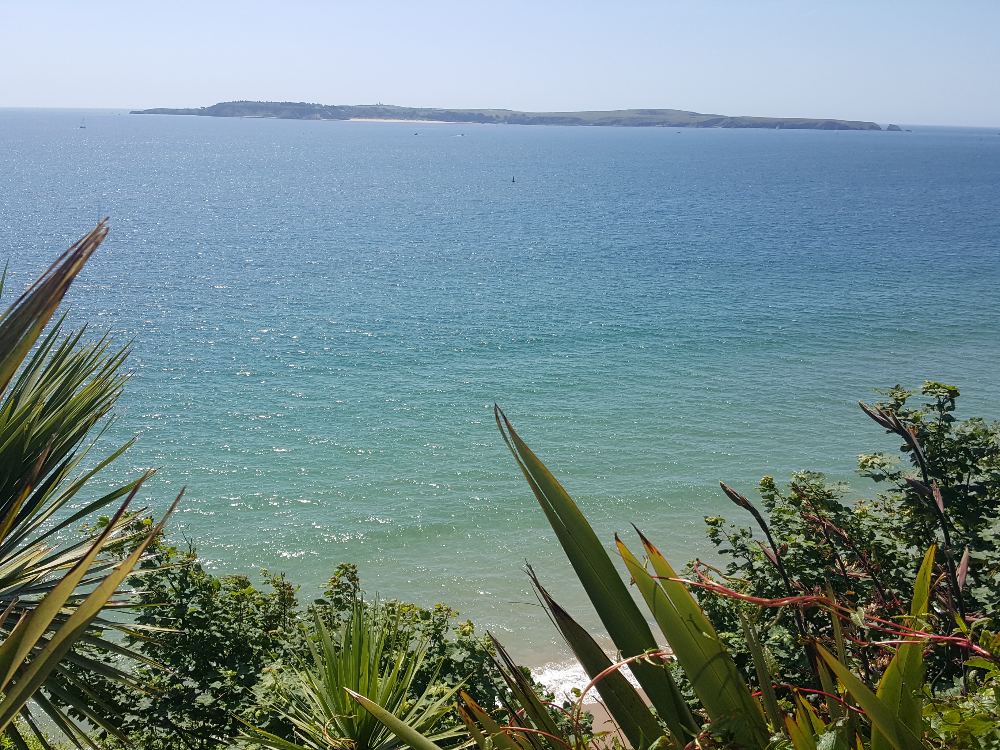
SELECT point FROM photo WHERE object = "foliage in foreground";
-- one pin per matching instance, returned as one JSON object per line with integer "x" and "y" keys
{"x": 223, "y": 651}
{"x": 836, "y": 591}
{"x": 207, "y": 642}
{"x": 52, "y": 595}
{"x": 375, "y": 653}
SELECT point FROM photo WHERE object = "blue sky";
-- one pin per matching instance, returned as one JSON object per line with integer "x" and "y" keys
{"x": 903, "y": 62}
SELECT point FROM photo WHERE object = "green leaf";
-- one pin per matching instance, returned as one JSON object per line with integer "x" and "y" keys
{"x": 851, "y": 725}
{"x": 400, "y": 728}
{"x": 830, "y": 687}
{"x": 615, "y": 606}
{"x": 493, "y": 730}
{"x": 902, "y": 682}
{"x": 622, "y": 700}
{"x": 800, "y": 728}
{"x": 477, "y": 736}
{"x": 764, "y": 677}
{"x": 980, "y": 663}
{"x": 23, "y": 322}
{"x": 899, "y": 735}
{"x": 716, "y": 679}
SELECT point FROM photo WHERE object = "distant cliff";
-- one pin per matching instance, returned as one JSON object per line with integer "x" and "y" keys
{"x": 632, "y": 118}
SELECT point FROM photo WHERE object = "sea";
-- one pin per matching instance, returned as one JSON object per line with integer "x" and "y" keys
{"x": 322, "y": 316}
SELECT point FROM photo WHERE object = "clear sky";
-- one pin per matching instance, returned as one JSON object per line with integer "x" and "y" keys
{"x": 906, "y": 62}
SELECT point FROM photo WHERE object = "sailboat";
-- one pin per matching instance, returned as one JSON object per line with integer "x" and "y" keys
{"x": 83, "y": 123}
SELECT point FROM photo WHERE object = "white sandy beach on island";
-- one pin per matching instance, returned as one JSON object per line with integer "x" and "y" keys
{"x": 419, "y": 122}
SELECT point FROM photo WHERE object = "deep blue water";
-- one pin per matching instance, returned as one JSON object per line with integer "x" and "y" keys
{"x": 324, "y": 314}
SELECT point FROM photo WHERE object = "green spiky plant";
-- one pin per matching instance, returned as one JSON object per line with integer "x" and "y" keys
{"x": 892, "y": 711}
{"x": 375, "y": 656}
{"x": 52, "y": 595}
{"x": 844, "y": 711}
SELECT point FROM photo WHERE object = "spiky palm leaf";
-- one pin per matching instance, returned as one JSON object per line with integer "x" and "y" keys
{"x": 376, "y": 656}
{"x": 52, "y": 593}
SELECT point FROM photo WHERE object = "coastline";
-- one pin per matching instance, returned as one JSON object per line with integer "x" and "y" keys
{"x": 387, "y": 119}
{"x": 561, "y": 677}
{"x": 641, "y": 118}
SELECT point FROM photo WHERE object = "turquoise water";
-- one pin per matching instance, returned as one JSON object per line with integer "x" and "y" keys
{"x": 324, "y": 314}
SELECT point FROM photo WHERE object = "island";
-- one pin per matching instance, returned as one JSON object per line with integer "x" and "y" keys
{"x": 631, "y": 118}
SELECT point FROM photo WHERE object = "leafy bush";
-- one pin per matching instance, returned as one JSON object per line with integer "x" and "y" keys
{"x": 215, "y": 643}
{"x": 210, "y": 639}
{"x": 867, "y": 553}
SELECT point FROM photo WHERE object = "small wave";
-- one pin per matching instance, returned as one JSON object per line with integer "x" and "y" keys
{"x": 561, "y": 677}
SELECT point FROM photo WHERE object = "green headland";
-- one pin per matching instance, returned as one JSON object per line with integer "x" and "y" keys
{"x": 633, "y": 118}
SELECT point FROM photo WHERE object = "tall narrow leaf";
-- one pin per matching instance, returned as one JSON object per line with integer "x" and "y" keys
{"x": 764, "y": 677}
{"x": 702, "y": 655}
{"x": 23, "y": 322}
{"x": 532, "y": 710}
{"x": 54, "y": 389}
{"x": 899, "y": 736}
{"x": 401, "y": 729}
{"x": 800, "y": 728}
{"x": 615, "y": 606}
{"x": 622, "y": 700}
{"x": 903, "y": 680}
{"x": 494, "y": 731}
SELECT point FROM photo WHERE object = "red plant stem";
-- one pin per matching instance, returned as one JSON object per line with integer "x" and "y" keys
{"x": 874, "y": 623}
{"x": 578, "y": 705}
{"x": 817, "y": 692}
{"x": 616, "y": 667}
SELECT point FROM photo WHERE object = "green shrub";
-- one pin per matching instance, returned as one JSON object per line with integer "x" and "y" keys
{"x": 868, "y": 552}
{"x": 214, "y": 642}
{"x": 207, "y": 639}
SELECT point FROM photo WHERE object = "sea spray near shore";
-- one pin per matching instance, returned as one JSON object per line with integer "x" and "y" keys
{"x": 325, "y": 313}
{"x": 561, "y": 678}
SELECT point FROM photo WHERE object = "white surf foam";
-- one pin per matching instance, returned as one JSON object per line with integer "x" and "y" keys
{"x": 561, "y": 677}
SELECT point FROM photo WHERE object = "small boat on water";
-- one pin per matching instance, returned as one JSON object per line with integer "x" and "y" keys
{"x": 83, "y": 123}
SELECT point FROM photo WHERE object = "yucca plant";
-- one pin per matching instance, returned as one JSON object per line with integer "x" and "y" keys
{"x": 374, "y": 656}
{"x": 52, "y": 594}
